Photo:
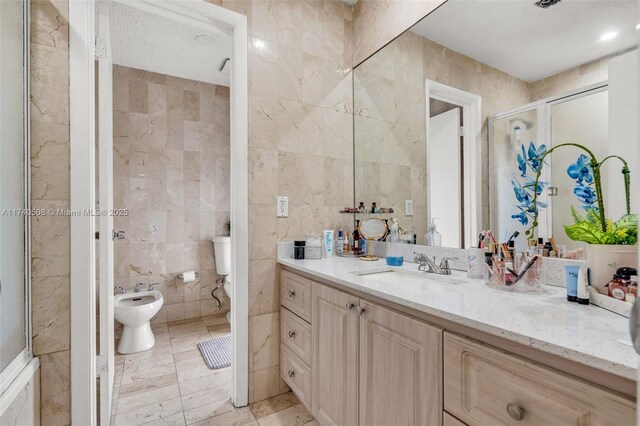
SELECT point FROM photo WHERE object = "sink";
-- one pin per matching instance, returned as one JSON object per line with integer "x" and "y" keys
{"x": 419, "y": 277}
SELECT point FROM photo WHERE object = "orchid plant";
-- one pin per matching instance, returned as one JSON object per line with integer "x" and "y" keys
{"x": 527, "y": 189}
{"x": 594, "y": 227}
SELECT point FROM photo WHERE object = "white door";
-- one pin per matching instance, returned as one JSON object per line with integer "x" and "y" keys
{"x": 105, "y": 197}
{"x": 444, "y": 176}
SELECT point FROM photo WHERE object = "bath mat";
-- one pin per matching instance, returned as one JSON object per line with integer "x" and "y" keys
{"x": 216, "y": 352}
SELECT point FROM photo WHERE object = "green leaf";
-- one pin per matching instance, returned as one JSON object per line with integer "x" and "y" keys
{"x": 585, "y": 231}
{"x": 594, "y": 218}
{"x": 575, "y": 215}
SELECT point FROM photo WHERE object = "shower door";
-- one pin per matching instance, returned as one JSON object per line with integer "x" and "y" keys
{"x": 15, "y": 344}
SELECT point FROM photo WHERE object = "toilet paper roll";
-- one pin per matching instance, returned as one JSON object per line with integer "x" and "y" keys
{"x": 188, "y": 276}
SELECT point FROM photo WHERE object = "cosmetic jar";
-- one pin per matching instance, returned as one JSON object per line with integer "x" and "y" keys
{"x": 298, "y": 249}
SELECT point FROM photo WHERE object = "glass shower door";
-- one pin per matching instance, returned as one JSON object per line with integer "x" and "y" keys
{"x": 14, "y": 347}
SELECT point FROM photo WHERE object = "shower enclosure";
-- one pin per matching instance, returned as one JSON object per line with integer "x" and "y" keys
{"x": 580, "y": 116}
{"x": 15, "y": 339}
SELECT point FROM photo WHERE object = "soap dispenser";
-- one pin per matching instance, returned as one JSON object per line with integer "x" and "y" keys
{"x": 433, "y": 237}
{"x": 394, "y": 249}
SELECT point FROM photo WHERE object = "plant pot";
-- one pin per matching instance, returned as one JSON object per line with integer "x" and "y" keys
{"x": 603, "y": 260}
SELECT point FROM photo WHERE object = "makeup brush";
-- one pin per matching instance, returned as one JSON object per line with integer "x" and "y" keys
{"x": 514, "y": 235}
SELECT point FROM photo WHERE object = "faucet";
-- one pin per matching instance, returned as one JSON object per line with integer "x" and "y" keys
{"x": 120, "y": 290}
{"x": 150, "y": 288}
{"x": 137, "y": 288}
{"x": 425, "y": 262}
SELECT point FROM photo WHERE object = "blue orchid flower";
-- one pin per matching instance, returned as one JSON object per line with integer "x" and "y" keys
{"x": 585, "y": 194}
{"x": 522, "y": 195}
{"x": 522, "y": 217}
{"x": 581, "y": 170}
{"x": 535, "y": 154}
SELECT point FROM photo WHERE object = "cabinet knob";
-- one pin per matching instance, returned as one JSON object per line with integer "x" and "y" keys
{"x": 360, "y": 310}
{"x": 292, "y": 293}
{"x": 350, "y": 306}
{"x": 291, "y": 373}
{"x": 515, "y": 411}
{"x": 292, "y": 333}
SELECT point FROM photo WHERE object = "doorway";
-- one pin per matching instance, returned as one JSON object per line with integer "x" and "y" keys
{"x": 209, "y": 19}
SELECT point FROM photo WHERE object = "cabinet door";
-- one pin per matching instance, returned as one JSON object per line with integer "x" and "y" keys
{"x": 334, "y": 361}
{"x": 400, "y": 369}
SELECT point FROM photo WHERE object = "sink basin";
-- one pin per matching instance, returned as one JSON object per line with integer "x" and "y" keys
{"x": 386, "y": 274}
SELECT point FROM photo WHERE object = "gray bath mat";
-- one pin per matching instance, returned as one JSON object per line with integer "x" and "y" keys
{"x": 216, "y": 352}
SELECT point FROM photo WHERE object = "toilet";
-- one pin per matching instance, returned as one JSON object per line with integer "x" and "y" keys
{"x": 222, "y": 254}
{"x": 135, "y": 310}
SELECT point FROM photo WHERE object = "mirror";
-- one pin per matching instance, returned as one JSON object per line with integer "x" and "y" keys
{"x": 442, "y": 112}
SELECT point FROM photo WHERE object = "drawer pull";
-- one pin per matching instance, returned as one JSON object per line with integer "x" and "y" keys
{"x": 292, "y": 293}
{"x": 515, "y": 411}
{"x": 292, "y": 333}
{"x": 350, "y": 306}
{"x": 291, "y": 373}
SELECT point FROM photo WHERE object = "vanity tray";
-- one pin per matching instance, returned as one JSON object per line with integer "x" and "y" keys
{"x": 350, "y": 255}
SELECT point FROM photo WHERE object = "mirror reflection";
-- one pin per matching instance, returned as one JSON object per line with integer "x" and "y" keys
{"x": 442, "y": 112}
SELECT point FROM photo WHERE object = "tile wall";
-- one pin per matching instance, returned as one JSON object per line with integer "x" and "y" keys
{"x": 171, "y": 172}
{"x": 300, "y": 146}
{"x": 50, "y": 235}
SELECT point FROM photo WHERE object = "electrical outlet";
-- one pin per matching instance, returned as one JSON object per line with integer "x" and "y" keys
{"x": 282, "y": 207}
{"x": 408, "y": 207}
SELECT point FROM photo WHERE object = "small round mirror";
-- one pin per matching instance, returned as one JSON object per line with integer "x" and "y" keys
{"x": 372, "y": 229}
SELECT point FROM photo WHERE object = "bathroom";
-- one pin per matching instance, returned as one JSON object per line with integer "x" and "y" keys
{"x": 322, "y": 105}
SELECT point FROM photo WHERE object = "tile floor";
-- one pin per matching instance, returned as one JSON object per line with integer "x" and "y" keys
{"x": 171, "y": 385}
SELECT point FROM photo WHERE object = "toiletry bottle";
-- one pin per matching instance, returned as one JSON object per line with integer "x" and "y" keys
{"x": 394, "y": 249}
{"x": 583, "y": 286}
{"x": 362, "y": 208}
{"x": 346, "y": 248}
{"x": 340, "y": 244}
{"x": 433, "y": 237}
{"x": 356, "y": 239}
{"x": 374, "y": 208}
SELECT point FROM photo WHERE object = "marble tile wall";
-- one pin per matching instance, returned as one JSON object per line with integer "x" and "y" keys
{"x": 50, "y": 235}
{"x": 300, "y": 146}
{"x": 571, "y": 79}
{"x": 377, "y": 22}
{"x": 171, "y": 172}
{"x": 390, "y": 111}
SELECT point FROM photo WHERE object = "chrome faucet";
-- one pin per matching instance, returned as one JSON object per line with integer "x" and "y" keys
{"x": 137, "y": 288}
{"x": 426, "y": 264}
{"x": 150, "y": 288}
{"x": 120, "y": 290}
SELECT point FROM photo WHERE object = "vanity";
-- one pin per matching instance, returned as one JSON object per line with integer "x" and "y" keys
{"x": 364, "y": 344}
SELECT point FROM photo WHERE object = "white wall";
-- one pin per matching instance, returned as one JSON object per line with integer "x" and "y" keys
{"x": 623, "y": 131}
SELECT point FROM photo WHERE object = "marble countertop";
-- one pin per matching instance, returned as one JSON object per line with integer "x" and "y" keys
{"x": 588, "y": 335}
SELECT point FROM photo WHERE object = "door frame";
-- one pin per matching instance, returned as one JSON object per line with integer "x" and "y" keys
{"x": 82, "y": 151}
{"x": 471, "y": 105}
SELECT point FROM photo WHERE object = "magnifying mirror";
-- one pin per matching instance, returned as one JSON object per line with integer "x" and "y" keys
{"x": 371, "y": 230}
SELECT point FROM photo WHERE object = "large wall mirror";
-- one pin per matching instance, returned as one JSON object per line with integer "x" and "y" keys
{"x": 442, "y": 112}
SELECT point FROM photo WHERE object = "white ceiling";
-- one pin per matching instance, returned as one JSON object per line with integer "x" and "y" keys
{"x": 528, "y": 42}
{"x": 147, "y": 41}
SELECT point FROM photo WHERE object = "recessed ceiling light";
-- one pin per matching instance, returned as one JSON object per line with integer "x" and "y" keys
{"x": 258, "y": 43}
{"x": 608, "y": 36}
{"x": 638, "y": 27}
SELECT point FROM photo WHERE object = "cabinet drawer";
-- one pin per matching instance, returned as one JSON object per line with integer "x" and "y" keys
{"x": 295, "y": 294}
{"x": 485, "y": 386}
{"x": 295, "y": 334}
{"x": 296, "y": 374}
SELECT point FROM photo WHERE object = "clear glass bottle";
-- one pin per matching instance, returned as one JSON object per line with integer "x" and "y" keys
{"x": 394, "y": 247}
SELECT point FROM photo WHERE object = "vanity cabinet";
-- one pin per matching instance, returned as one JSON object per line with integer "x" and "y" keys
{"x": 400, "y": 373}
{"x": 355, "y": 362}
{"x": 334, "y": 373}
{"x": 486, "y": 386}
{"x": 371, "y": 365}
